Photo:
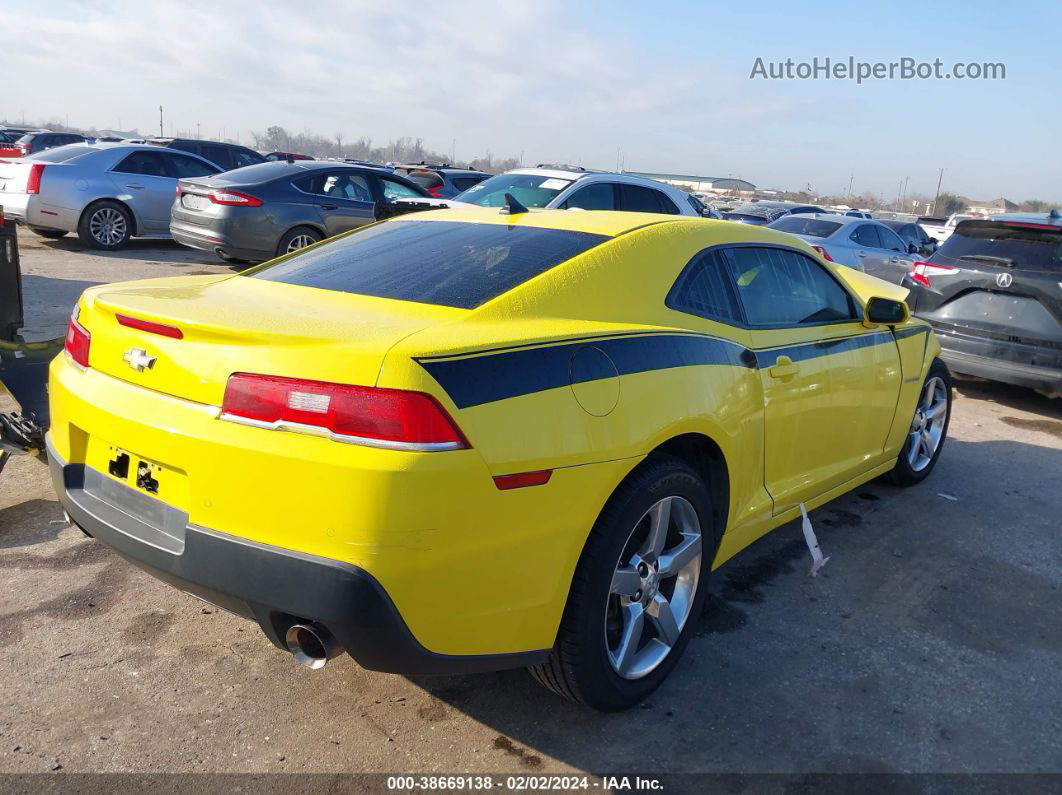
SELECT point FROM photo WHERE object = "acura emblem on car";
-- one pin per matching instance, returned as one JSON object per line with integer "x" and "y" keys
{"x": 1004, "y": 280}
{"x": 139, "y": 360}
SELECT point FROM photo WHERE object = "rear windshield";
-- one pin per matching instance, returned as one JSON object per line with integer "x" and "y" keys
{"x": 426, "y": 179}
{"x": 802, "y": 225}
{"x": 62, "y": 153}
{"x": 432, "y": 262}
{"x": 1000, "y": 244}
{"x": 531, "y": 190}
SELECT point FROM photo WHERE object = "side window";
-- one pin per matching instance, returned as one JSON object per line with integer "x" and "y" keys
{"x": 597, "y": 196}
{"x": 666, "y": 205}
{"x": 704, "y": 289}
{"x": 639, "y": 199}
{"x": 245, "y": 157}
{"x": 393, "y": 189}
{"x": 184, "y": 166}
{"x": 150, "y": 164}
{"x": 890, "y": 241}
{"x": 785, "y": 288}
{"x": 220, "y": 155}
{"x": 347, "y": 185}
{"x": 464, "y": 183}
{"x": 866, "y": 235}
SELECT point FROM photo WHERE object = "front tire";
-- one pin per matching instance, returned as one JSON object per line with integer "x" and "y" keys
{"x": 929, "y": 428}
{"x": 638, "y": 589}
{"x": 105, "y": 225}
{"x": 50, "y": 234}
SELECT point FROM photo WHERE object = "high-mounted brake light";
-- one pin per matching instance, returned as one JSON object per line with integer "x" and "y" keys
{"x": 150, "y": 327}
{"x": 77, "y": 342}
{"x": 33, "y": 182}
{"x": 391, "y": 418}
{"x": 825, "y": 254}
{"x": 233, "y": 198}
{"x": 921, "y": 272}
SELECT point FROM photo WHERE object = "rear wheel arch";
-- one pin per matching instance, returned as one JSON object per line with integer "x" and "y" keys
{"x": 314, "y": 227}
{"x": 134, "y": 232}
{"x": 704, "y": 456}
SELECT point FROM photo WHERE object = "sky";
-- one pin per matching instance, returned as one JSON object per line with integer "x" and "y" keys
{"x": 654, "y": 86}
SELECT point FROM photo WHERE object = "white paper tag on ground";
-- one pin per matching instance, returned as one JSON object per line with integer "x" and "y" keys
{"x": 817, "y": 560}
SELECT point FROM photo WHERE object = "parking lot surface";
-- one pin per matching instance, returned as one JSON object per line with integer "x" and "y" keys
{"x": 930, "y": 642}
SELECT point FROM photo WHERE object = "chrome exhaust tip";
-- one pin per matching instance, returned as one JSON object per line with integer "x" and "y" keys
{"x": 311, "y": 644}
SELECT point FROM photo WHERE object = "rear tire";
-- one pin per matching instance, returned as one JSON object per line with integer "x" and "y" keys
{"x": 929, "y": 428}
{"x": 50, "y": 234}
{"x": 105, "y": 225}
{"x": 616, "y": 644}
{"x": 299, "y": 237}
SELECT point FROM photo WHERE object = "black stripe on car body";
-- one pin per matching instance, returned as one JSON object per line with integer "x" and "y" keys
{"x": 476, "y": 378}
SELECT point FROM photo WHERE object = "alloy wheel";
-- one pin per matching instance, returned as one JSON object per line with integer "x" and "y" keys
{"x": 653, "y": 587}
{"x": 300, "y": 241}
{"x": 107, "y": 226}
{"x": 927, "y": 428}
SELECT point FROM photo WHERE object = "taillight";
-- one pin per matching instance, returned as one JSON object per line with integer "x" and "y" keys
{"x": 391, "y": 418}
{"x": 77, "y": 342}
{"x": 233, "y": 198}
{"x": 825, "y": 254}
{"x": 522, "y": 480}
{"x": 33, "y": 182}
{"x": 436, "y": 191}
{"x": 178, "y": 189}
{"x": 921, "y": 272}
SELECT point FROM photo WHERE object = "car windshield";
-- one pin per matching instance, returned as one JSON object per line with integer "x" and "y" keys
{"x": 531, "y": 190}
{"x": 1023, "y": 247}
{"x": 803, "y": 225}
{"x": 431, "y": 262}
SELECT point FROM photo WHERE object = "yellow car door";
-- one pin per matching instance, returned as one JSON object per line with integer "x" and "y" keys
{"x": 829, "y": 383}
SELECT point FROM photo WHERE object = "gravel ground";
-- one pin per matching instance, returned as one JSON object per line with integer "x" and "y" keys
{"x": 929, "y": 643}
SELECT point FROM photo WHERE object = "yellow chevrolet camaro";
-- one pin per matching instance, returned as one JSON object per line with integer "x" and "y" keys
{"x": 467, "y": 440}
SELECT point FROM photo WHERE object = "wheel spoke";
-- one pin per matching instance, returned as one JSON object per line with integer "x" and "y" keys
{"x": 935, "y": 409}
{"x": 676, "y": 559}
{"x": 663, "y": 618}
{"x": 914, "y": 444}
{"x": 659, "y": 521}
{"x": 626, "y": 582}
{"x": 633, "y": 624}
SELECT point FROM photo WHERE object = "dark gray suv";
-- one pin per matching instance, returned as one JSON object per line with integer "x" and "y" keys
{"x": 259, "y": 212}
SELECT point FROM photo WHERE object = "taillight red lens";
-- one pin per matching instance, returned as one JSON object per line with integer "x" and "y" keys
{"x": 921, "y": 272}
{"x": 33, "y": 182}
{"x": 436, "y": 191}
{"x": 391, "y": 418}
{"x": 178, "y": 189}
{"x": 825, "y": 254}
{"x": 150, "y": 327}
{"x": 77, "y": 342}
{"x": 233, "y": 198}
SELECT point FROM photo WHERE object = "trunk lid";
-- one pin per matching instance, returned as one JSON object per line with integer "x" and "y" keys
{"x": 231, "y": 324}
{"x": 998, "y": 279}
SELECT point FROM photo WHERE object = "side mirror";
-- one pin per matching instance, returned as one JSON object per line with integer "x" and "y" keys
{"x": 912, "y": 248}
{"x": 934, "y": 241}
{"x": 885, "y": 312}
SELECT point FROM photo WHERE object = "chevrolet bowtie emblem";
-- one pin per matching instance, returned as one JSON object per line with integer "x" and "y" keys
{"x": 139, "y": 360}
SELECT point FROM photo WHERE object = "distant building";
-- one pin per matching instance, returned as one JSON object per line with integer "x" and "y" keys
{"x": 993, "y": 207}
{"x": 701, "y": 184}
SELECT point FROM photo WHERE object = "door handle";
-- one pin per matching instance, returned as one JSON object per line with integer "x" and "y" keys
{"x": 861, "y": 253}
{"x": 134, "y": 185}
{"x": 329, "y": 206}
{"x": 784, "y": 368}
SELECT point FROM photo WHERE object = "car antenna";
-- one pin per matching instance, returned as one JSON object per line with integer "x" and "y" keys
{"x": 512, "y": 206}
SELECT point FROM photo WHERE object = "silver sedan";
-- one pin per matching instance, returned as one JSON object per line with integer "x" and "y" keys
{"x": 859, "y": 243}
{"x": 106, "y": 193}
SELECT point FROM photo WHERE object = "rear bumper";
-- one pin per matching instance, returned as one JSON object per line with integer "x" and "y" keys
{"x": 275, "y": 587}
{"x": 207, "y": 238}
{"x": 1032, "y": 366}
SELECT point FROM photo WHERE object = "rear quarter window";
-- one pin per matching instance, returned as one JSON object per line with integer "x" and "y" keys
{"x": 432, "y": 262}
